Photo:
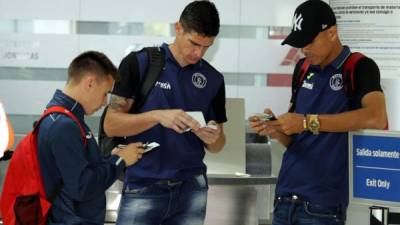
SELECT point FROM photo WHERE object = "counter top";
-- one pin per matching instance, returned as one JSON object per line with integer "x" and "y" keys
{"x": 231, "y": 179}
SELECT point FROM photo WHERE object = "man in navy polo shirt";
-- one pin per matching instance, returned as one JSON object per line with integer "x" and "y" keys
{"x": 169, "y": 185}
{"x": 312, "y": 185}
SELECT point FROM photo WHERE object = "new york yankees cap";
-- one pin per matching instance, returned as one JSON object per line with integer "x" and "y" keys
{"x": 310, "y": 18}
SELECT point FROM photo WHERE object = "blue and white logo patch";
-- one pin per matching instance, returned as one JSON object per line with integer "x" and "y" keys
{"x": 336, "y": 82}
{"x": 307, "y": 85}
{"x": 199, "y": 80}
{"x": 163, "y": 85}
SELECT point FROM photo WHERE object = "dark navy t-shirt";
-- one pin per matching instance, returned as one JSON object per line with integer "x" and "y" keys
{"x": 197, "y": 87}
{"x": 316, "y": 166}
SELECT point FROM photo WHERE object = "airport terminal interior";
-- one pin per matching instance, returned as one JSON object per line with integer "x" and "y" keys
{"x": 38, "y": 40}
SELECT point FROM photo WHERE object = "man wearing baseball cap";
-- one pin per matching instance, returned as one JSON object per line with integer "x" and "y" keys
{"x": 312, "y": 186}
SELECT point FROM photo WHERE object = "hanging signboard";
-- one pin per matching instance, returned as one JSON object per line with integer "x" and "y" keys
{"x": 372, "y": 27}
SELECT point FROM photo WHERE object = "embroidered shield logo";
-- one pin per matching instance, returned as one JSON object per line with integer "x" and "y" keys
{"x": 336, "y": 82}
{"x": 199, "y": 80}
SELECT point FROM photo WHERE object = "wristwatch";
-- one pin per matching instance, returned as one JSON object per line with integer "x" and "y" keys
{"x": 313, "y": 124}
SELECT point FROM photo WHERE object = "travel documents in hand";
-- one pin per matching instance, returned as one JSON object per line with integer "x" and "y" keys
{"x": 199, "y": 117}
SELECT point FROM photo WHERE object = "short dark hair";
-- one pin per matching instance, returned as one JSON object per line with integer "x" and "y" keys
{"x": 201, "y": 17}
{"x": 93, "y": 62}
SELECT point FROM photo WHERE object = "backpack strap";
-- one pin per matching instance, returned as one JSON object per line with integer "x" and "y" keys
{"x": 303, "y": 70}
{"x": 348, "y": 72}
{"x": 348, "y": 76}
{"x": 298, "y": 80}
{"x": 62, "y": 110}
{"x": 156, "y": 59}
{"x": 156, "y": 62}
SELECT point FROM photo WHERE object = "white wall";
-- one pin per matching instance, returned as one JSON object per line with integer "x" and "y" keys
{"x": 47, "y": 38}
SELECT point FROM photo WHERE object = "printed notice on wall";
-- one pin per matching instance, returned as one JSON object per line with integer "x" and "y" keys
{"x": 375, "y": 167}
{"x": 373, "y": 28}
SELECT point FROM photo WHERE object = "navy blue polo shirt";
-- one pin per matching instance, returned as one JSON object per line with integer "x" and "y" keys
{"x": 316, "y": 166}
{"x": 197, "y": 87}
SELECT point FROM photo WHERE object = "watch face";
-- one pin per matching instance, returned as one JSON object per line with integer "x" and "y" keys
{"x": 313, "y": 125}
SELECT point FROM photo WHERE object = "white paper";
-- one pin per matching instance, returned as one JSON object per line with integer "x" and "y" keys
{"x": 212, "y": 126}
{"x": 198, "y": 116}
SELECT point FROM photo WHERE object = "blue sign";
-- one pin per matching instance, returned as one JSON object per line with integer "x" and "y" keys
{"x": 376, "y": 167}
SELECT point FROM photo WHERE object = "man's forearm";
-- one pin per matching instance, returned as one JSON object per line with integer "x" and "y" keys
{"x": 218, "y": 145}
{"x": 371, "y": 116}
{"x": 123, "y": 124}
{"x": 284, "y": 139}
{"x": 350, "y": 121}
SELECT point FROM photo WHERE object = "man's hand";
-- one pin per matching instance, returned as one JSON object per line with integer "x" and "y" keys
{"x": 261, "y": 127}
{"x": 210, "y": 133}
{"x": 130, "y": 153}
{"x": 178, "y": 120}
{"x": 288, "y": 123}
{"x": 271, "y": 128}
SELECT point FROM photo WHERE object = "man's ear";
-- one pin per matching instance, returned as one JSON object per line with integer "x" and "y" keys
{"x": 178, "y": 28}
{"x": 333, "y": 33}
{"x": 88, "y": 82}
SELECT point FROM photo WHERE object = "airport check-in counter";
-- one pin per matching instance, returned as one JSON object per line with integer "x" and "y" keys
{"x": 232, "y": 199}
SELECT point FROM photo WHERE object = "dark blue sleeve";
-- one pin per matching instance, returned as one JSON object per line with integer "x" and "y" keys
{"x": 218, "y": 104}
{"x": 84, "y": 173}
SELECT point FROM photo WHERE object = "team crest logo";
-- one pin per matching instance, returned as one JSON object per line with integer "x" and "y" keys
{"x": 199, "y": 80}
{"x": 336, "y": 82}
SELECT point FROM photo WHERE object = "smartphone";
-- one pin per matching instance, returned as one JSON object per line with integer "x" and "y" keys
{"x": 266, "y": 117}
{"x": 121, "y": 146}
{"x": 149, "y": 146}
{"x": 146, "y": 147}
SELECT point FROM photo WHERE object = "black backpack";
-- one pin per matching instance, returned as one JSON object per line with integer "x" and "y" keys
{"x": 156, "y": 59}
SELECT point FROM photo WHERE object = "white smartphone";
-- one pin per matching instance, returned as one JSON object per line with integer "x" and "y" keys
{"x": 150, "y": 146}
{"x": 146, "y": 147}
